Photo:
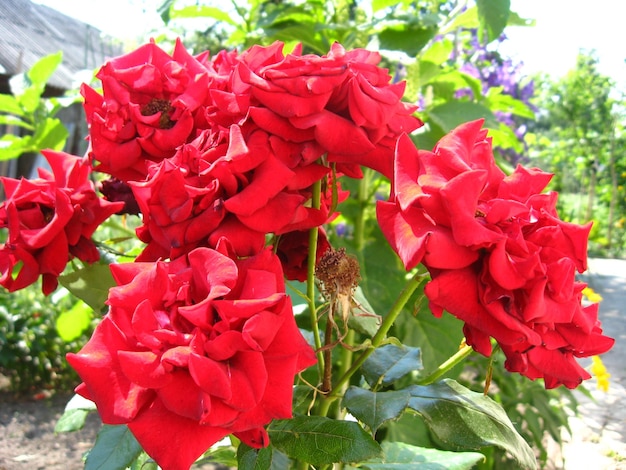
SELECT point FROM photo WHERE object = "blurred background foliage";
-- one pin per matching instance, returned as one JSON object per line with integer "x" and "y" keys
{"x": 447, "y": 52}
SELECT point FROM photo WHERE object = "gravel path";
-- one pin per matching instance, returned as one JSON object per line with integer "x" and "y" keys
{"x": 598, "y": 440}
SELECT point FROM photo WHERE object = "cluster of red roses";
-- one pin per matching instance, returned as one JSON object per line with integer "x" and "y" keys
{"x": 50, "y": 219}
{"x": 222, "y": 154}
{"x": 499, "y": 257}
{"x": 216, "y": 154}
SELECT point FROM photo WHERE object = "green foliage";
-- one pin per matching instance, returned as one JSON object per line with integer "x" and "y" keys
{"x": 25, "y": 109}
{"x": 390, "y": 363}
{"x": 319, "y": 440}
{"x": 534, "y": 411}
{"x": 75, "y": 414}
{"x": 401, "y": 456}
{"x": 115, "y": 448}
{"x": 32, "y": 354}
{"x": 578, "y": 137}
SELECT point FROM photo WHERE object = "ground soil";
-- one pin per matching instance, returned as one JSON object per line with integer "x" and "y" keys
{"x": 597, "y": 441}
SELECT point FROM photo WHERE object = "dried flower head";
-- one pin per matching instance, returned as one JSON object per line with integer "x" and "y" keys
{"x": 338, "y": 273}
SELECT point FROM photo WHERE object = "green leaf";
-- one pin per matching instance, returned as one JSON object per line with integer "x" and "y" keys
{"x": 321, "y": 441}
{"x": 72, "y": 323}
{"x": 439, "y": 52}
{"x": 406, "y": 37}
{"x": 362, "y": 317}
{"x": 202, "y": 12}
{"x": 437, "y": 338}
{"x": 378, "y": 5}
{"x": 493, "y": 15}
{"x": 74, "y": 415}
{"x": 499, "y": 101}
{"x": 401, "y": 456}
{"x": 453, "y": 113}
{"x": 115, "y": 449}
{"x": 9, "y": 120}
{"x": 90, "y": 284}
{"x": 375, "y": 408}
{"x": 390, "y": 363}
{"x": 42, "y": 70}
{"x": 8, "y": 104}
{"x": 462, "y": 419}
{"x": 468, "y": 19}
{"x": 50, "y": 133}
{"x": 12, "y": 146}
{"x": 224, "y": 454}
{"x": 267, "y": 458}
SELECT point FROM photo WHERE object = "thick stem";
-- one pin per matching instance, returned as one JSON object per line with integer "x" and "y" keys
{"x": 310, "y": 281}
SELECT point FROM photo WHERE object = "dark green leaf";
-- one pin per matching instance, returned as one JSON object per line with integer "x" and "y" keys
{"x": 375, "y": 408}
{"x": 390, "y": 363}
{"x": 71, "y": 420}
{"x": 267, "y": 458}
{"x": 320, "y": 441}
{"x": 90, "y": 284}
{"x": 401, "y": 456}
{"x": 115, "y": 449}
{"x": 164, "y": 10}
{"x": 74, "y": 415}
{"x": 462, "y": 419}
{"x": 493, "y": 15}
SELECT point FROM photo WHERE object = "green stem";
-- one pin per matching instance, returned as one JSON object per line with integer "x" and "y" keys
{"x": 310, "y": 281}
{"x": 378, "y": 338}
{"x": 459, "y": 356}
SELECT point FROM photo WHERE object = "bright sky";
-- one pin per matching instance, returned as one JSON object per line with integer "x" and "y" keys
{"x": 562, "y": 28}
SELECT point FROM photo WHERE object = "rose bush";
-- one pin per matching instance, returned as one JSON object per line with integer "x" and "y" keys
{"x": 236, "y": 165}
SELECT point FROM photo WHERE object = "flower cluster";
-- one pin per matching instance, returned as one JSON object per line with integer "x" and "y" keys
{"x": 233, "y": 163}
{"x": 219, "y": 156}
{"x": 50, "y": 220}
{"x": 229, "y": 148}
{"x": 204, "y": 345}
{"x": 499, "y": 257}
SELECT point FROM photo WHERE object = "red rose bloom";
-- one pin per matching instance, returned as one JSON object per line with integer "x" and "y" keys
{"x": 149, "y": 102}
{"x": 293, "y": 250}
{"x": 500, "y": 259}
{"x": 341, "y": 104}
{"x": 49, "y": 220}
{"x": 204, "y": 345}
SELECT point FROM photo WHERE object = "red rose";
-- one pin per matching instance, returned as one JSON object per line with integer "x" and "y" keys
{"x": 343, "y": 102}
{"x": 147, "y": 109}
{"x": 49, "y": 220}
{"x": 204, "y": 345}
{"x": 293, "y": 250}
{"x": 500, "y": 259}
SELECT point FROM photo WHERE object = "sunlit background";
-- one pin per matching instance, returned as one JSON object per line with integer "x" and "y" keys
{"x": 562, "y": 28}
